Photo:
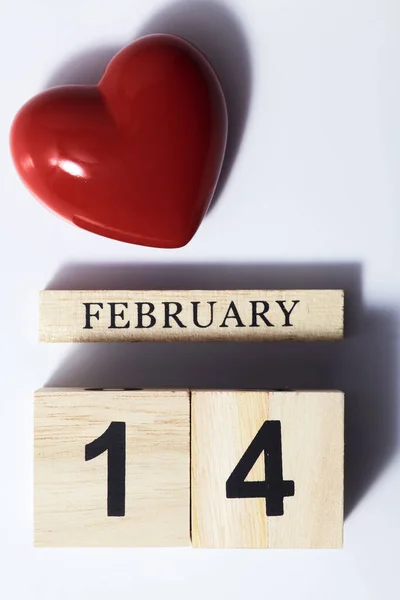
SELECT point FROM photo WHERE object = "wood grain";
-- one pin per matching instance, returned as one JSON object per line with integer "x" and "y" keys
{"x": 223, "y": 425}
{"x": 71, "y": 494}
{"x": 191, "y": 315}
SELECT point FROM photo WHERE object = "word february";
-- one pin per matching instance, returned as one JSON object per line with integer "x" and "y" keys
{"x": 200, "y": 314}
{"x": 191, "y": 315}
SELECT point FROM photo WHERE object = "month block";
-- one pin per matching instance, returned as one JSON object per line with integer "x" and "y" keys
{"x": 112, "y": 468}
{"x": 190, "y": 315}
{"x": 267, "y": 469}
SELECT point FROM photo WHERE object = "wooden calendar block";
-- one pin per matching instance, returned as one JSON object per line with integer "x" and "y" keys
{"x": 267, "y": 469}
{"x": 112, "y": 468}
{"x": 190, "y": 315}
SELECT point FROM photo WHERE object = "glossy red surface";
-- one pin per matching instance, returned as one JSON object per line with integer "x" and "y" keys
{"x": 135, "y": 158}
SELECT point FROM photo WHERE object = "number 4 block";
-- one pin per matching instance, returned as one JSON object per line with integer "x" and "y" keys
{"x": 267, "y": 469}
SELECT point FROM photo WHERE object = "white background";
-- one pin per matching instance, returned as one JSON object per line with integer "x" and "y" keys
{"x": 310, "y": 197}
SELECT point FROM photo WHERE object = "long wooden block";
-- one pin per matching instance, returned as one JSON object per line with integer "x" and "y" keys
{"x": 267, "y": 469}
{"x": 191, "y": 315}
{"x": 112, "y": 468}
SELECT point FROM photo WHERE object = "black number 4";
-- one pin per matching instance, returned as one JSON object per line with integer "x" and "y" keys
{"x": 114, "y": 441}
{"x": 273, "y": 489}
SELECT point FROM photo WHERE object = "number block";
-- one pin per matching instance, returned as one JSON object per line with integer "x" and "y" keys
{"x": 112, "y": 468}
{"x": 267, "y": 469}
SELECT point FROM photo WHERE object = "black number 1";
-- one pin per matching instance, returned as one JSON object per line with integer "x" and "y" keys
{"x": 274, "y": 488}
{"x": 114, "y": 441}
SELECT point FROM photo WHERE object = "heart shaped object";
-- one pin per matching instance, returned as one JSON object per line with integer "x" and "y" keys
{"x": 135, "y": 158}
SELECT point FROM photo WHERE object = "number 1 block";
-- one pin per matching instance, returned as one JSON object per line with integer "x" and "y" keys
{"x": 267, "y": 469}
{"x": 112, "y": 468}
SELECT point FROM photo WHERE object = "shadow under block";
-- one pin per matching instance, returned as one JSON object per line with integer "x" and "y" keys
{"x": 121, "y": 452}
{"x": 300, "y": 450}
{"x": 190, "y": 315}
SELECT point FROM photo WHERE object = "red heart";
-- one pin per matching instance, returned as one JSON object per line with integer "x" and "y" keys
{"x": 135, "y": 158}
